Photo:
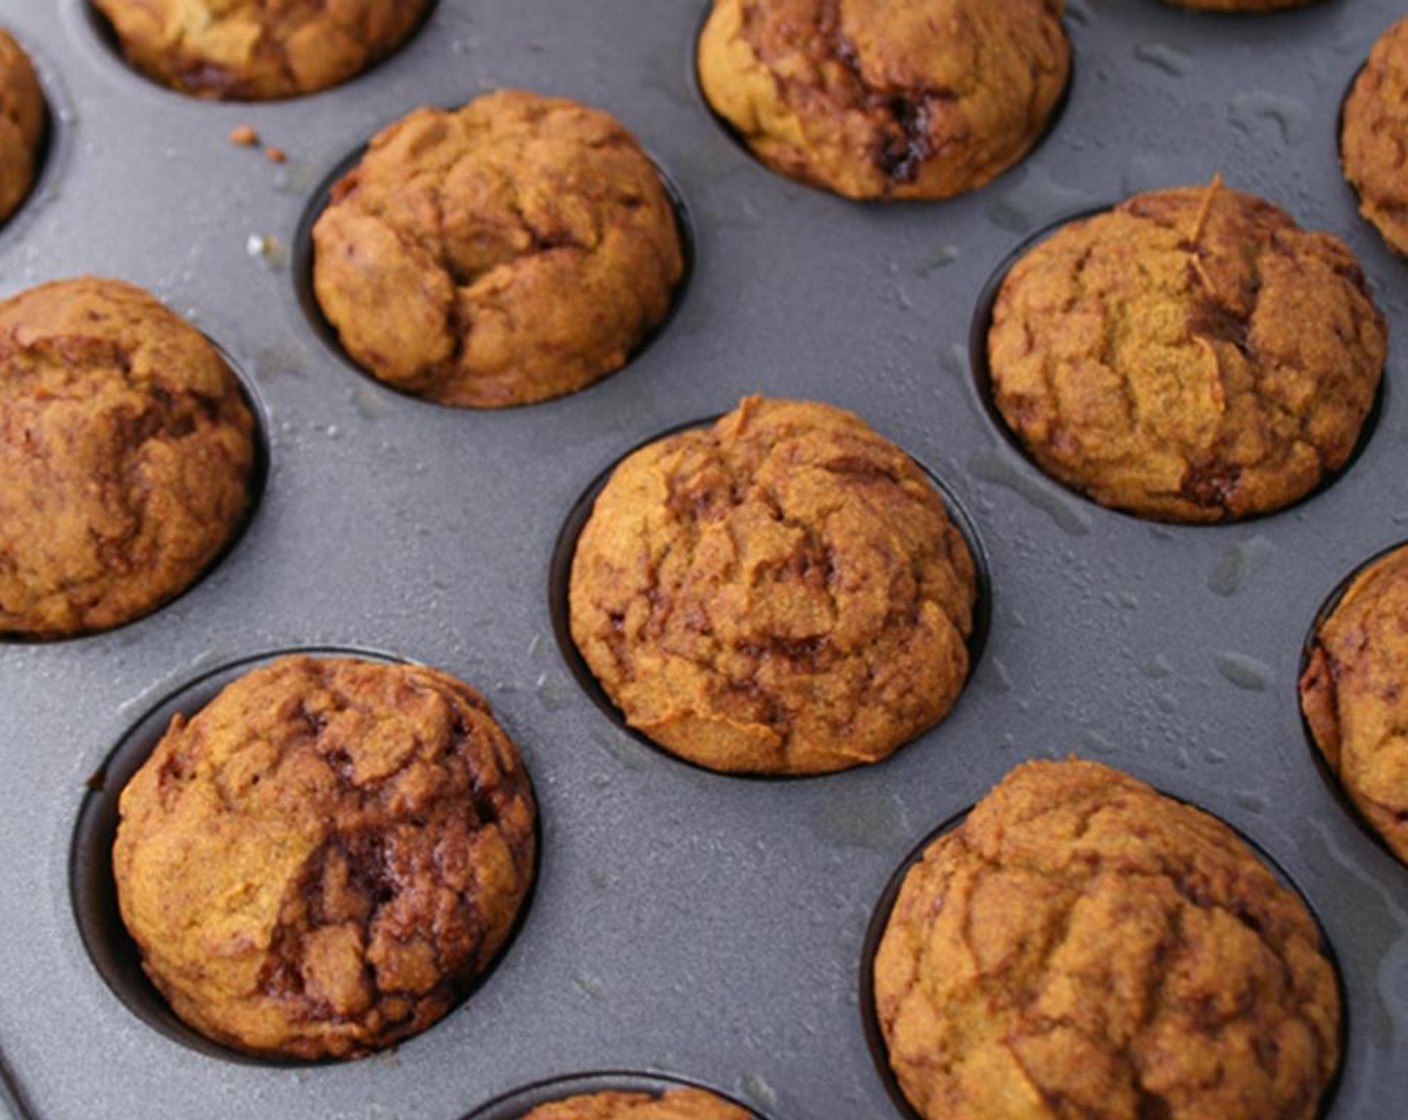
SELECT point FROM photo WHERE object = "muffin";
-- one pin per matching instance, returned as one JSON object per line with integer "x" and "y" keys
{"x": 320, "y": 863}
{"x": 253, "y": 50}
{"x": 23, "y": 117}
{"x": 1352, "y": 695}
{"x": 1374, "y": 137}
{"x": 1191, "y": 355}
{"x": 1083, "y": 946}
{"x": 517, "y": 249}
{"x": 678, "y": 1104}
{"x": 780, "y": 593}
{"x": 902, "y": 99}
{"x": 128, "y": 456}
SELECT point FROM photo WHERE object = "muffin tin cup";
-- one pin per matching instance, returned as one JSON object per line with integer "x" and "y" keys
{"x": 258, "y": 483}
{"x": 981, "y": 372}
{"x": 54, "y": 149}
{"x": 326, "y": 333}
{"x": 1308, "y": 647}
{"x": 727, "y": 127}
{"x": 1352, "y": 189}
{"x": 105, "y": 38}
{"x": 92, "y": 888}
{"x": 884, "y": 907}
{"x": 517, "y": 1103}
{"x": 560, "y": 577}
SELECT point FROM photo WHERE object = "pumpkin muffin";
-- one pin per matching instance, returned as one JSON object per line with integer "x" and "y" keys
{"x": 258, "y": 50}
{"x": 1083, "y": 946}
{"x": 127, "y": 451}
{"x": 321, "y": 861}
{"x": 23, "y": 118}
{"x": 1353, "y": 695}
{"x": 886, "y": 99}
{"x": 517, "y": 249}
{"x": 1374, "y": 137}
{"x": 1191, "y": 355}
{"x": 780, "y": 593}
{"x": 677, "y": 1104}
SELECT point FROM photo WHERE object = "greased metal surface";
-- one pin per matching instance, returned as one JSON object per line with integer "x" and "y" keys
{"x": 688, "y": 924}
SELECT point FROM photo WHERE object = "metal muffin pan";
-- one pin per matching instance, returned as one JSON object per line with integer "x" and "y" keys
{"x": 686, "y": 924}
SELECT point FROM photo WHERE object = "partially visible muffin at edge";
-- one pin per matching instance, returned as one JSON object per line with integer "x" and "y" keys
{"x": 514, "y": 250}
{"x": 23, "y": 117}
{"x": 128, "y": 455}
{"x": 321, "y": 861}
{"x": 253, "y": 50}
{"x": 780, "y": 593}
{"x": 1374, "y": 137}
{"x": 1082, "y": 945}
{"x": 915, "y": 99}
{"x": 1191, "y": 355}
{"x": 677, "y": 1104}
{"x": 1354, "y": 693}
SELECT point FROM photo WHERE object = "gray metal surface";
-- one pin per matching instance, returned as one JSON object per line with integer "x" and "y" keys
{"x": 519, "y": 1102}
{"x": 685, "y": 923}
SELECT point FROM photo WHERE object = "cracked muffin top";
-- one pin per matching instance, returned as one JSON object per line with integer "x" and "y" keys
{"x": 886, "y": 99}
{"x": 321, "y": 861}
{"x": 678, "y": 1104}
{"x": 1354, "y": 693}
{"x": 258, "y": 50}
{"x": 22, "y": 121}
{"x": 1374, "y": 137}
{"x": 1191, "y": 355}
{"x": 127, "y": 452}
{"x": 1084, "y": 946}
{"x": 780, "y": 593}
{"x": 514, "y": 250}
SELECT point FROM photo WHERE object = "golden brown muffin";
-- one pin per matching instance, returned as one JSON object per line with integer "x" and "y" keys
{"x": 1353, "y": 696}
{"x": 1374, "y": 137}
{"x": 1083, "y": 946}
{"x": 127, "y": 452}
{"x": 780, "y": 593}
{"x": 1241, "y": 5}
{"x": 678, "y": 1104}
{"x": 258, "y": 50}
{"x": 1191, "y": 355}
{"x": 323, "y": 859}
{"x": 515, "y": 250}
{"x": 886, "y": 99}
{"x": 22, "y": 121}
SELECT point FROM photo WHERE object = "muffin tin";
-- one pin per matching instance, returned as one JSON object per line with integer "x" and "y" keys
{"x": 687, "y": 924}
